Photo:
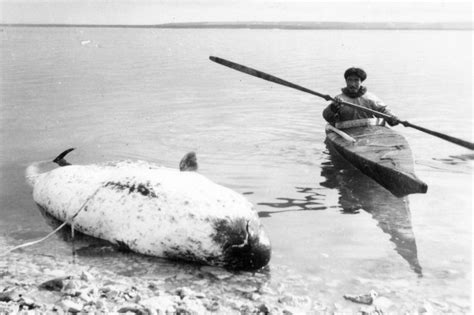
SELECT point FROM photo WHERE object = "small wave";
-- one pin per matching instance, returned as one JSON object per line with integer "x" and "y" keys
{"x": 453, "y": 164}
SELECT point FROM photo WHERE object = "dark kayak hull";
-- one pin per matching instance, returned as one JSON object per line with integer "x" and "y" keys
{"x": 382, "y": 154}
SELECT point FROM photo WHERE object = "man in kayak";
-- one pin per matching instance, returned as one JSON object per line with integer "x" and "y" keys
{"x": 342, "y": 116}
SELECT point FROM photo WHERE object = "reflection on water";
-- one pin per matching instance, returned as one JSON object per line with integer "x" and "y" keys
{"x": 311, "y": 201}
{"x": 456, "y": 159}
{"x": 453, "y": 164}
{"x": 358, "y": 192}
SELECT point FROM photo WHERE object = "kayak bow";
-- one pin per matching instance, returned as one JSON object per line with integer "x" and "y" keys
{"x": 380, "y": 153}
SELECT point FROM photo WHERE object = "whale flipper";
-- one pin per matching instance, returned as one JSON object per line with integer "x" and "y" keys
{"x": 188, "y": 162}
{"x": 60, "y": 158}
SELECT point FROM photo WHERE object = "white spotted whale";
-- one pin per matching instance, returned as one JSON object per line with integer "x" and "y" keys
{"x": 154, "y": 210}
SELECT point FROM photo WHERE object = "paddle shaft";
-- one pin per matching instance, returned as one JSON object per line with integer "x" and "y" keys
{"x": 271, "y": 78}
{"x": 463, "y": 143}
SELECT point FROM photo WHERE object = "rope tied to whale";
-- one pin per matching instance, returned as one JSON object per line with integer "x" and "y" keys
{"x": 71, "y": 221}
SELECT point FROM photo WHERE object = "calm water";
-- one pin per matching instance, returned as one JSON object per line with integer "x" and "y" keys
{"x": 153, "y": 94}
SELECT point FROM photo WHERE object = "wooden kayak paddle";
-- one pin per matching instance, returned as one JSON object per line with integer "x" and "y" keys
{"x": 271, "y": 78}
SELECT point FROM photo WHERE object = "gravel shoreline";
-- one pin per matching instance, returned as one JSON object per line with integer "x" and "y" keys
{"x": 36, "y": 283}
{"x": 88, "y": 291}
{"x": 44, "y": 284}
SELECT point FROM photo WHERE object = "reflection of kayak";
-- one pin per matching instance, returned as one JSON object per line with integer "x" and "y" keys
{"x": 391, "y": 213}
{"x": 380, "y": 153}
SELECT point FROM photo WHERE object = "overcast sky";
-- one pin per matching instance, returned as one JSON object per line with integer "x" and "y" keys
{"x": 166, "y": 11}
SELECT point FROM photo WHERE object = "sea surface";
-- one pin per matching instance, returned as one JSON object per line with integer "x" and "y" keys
{"x": 153, "y": 94}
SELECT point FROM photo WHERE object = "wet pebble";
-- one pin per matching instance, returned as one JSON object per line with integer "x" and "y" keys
{"x": 254, "y": 296}
{"x": 245, "y": 289}
{"x": 383, "y": 303}
{"x": 9, "y": 308}
{"x": 200, "y": 295}
{"x": 184, "y": 292}
{"x": 113, "y": 291}
{"x": 370, "y": 310}
{"x": 266, "y": 290}
{"x": 212, "y": 305}
{"x": 85, "y": 296}
{"x": 183, "y": 276}
{"x": 9, "y": 294}
{"x": 262, "y": 308}
{"x": 319, "y": 307}
{"x": 233, "y": 304}
{"x": 27, "y": 303}
{"x": 86, "y": 276}
{"x": 101, "y": 304}
{"x": 72, "y": 287}
{"x": 245, "y": 309}
{"x": 160, "y": 303}
{"x": 56, "y": 284}
{"x": 192, "y": 306}
{"x": 154, "y": 285}
{"x": 132, "y": 308}
{"x": 362, "y": 298}
{"x": 426, "y": 308}
{"x": 202, "y": 282}
{"x": 292, "y": 300}
{"x": 281, "y": 288}
{"x": 218, "y": 273}
{"x": 70, "y": 306}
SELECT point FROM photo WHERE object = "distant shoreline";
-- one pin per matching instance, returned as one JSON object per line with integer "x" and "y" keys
{"x": 277, "y": 25}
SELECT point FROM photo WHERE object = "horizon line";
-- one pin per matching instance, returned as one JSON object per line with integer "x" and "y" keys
{"x": 297, "y": 25}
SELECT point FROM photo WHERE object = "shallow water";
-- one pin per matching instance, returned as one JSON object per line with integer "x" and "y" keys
{"x": 153, "y": 94}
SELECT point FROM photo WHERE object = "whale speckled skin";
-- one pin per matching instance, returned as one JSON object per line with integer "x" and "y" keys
{"x": 156, "y": 211}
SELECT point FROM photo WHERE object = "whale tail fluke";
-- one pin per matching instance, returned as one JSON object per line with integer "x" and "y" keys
{"x": 34, "y": 170}
{"x": 188, "y": 163}
{"x": 60, "y": 158}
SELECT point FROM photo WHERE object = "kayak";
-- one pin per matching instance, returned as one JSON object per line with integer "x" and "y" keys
{"x": 380, "y": 153}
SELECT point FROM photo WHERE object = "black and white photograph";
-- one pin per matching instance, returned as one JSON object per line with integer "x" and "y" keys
{"x": 236, "y": 157}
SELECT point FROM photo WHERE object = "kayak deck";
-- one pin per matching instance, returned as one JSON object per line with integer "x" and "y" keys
{"x": 382, "y": 154}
